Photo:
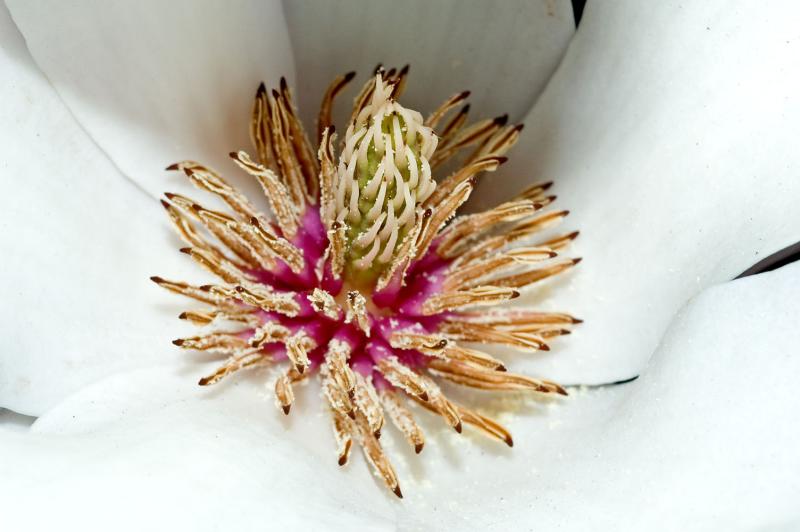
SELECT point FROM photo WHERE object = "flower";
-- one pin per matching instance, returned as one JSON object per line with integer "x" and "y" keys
{"x": 669, "y": 128}
{"x": 360, "y": 277}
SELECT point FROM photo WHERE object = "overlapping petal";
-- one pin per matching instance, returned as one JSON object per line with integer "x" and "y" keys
{"x": 670, "y": 132}
{"x": 156, "y": 82}
{"x": 79, "y": 244}
{"x": 503, "y": 51}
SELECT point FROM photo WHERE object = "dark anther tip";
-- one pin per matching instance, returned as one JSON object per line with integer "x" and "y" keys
{"x": 423, "y": 396}
{"x": 182, "y": 316}
{"x": 275, "y": 94}
{"x": 188, "y": 251}
{"x": 501, "y": 368}
{"x": 349, "y": 76}
{"x": 377, "y": 434}
{"x": 397, "y": 492}
{"x": 156, "y": 279}
{"x": 514, "y": 294}
{"x": 464, "y": 95}
{"x": 188, "y": 171}
{"x": 233, "y": 155}
{"x": 577, "y": 261}
{"x": 465, "y": 109}
{"x": 351, "y": 414}
{"x": 331, "y": 130}
{"x": 284, "y": 85}
{"x": 502, "y": 159}
{"x": 509, "y": 441}
{"x": 172, "y": 167}
{"x": 418, "y": 447}
{"x": 206, "y": 287}
{"x": 459, "y": 427}
{"x": 178, "y": 342}
{"x": 203, "y": 382}
{"x": 261, "y": 89}
{"x": 577, "y": 320}
{"x": 286, "y": 409}
{"x": 342, "y": 460}
{"x": 519, "y": 127}
{"x": 501, "y": 120}
{"x": 544, "y": 347}
{"x": 546, "y": 185}
{"x": 405, "y": 69}
{"x": 164, "y": 204}
{"x": 565, "y": 213}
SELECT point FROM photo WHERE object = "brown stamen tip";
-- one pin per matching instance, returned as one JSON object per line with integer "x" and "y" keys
{"x": 501, "y": 159}
{"x": 284, "y": 85}
{"x": 188, "y": 251}
{"x": 172, "y": 167}
{"x": 397, "y": 492}
{"x": 514, "y": 295}
{"x": 300, "y": 368}
{"x": 577, "y": 261}
{"x": 261, "y": 89}
{"x": 349, "y": 76}
{"x": 519, "y": 127}
{"x": 188, "y": 171}
{"x": 552, "y": 198}
{"x": 351, "y": 414}
{"x": 156, "y": 279}
{"x": 169, "y": 195}
{"x": 206, "y": 287}
{"x": 561, "y": 391}
{"x": 500, "y": 367}
{"x": 552, "y": 254}
{"x": 564, "y": 332}
{"x": 332, "y": 128}
{"x": 464, "y": 110}
{"x": 377, "y": 434}
{"x": 182, "y": 316}
{"x": 276, "y": 94}
{"x": 544, "y": 347}
{"x": 509, "y": 441}
{"x": 574, "y": 320}
{"x": 501, "y": 120}
{"x": 178, "y": 342}
{"x": 464, "y": 95}
{"x": 233, "y": 155}
{"x": 574, "y": 235}
{"x": 459, "y": 427}
{"x": 423, "y": 396}
{"x": 164, "y": 204}
{"x": 286, "y": 409}
{"x": 405, "y": 69}
{"x": 564, "y": 213}
{"x": 204, "y": 381}
{"x": 342, "y": 460}
{"x": 418, "y": 447}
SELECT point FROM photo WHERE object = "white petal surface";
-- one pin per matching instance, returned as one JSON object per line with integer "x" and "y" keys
{"x": 503, "y": 51}
{"x": 157, "y": 82}
{"x": 704, "y": 440}
{"x": 671, "y": 132}
{"x": 79, "y": 244}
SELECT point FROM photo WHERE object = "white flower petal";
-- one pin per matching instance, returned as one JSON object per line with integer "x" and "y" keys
{"x": 502, "y": 51}
{"x": 79, "y": 244}
{"x": 671, "y": 133}
{"x": 703, "y": 440}
{"x": 153, "y": 447}
{"x": 157, "y": 82}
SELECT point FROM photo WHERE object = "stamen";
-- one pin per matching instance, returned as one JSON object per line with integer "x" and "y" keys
{"x": 247, "y": 360}
{"x": 482, "y": 295}
{"x": 403, "y": 419}
{"x": 366, "y": 399}
{"x": 357, "y": 311}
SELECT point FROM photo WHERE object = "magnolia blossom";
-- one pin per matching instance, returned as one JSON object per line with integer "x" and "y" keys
{"x": 669, "y": 131}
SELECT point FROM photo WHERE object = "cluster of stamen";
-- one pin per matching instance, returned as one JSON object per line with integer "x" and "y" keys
{"x": 362, "y": 274}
